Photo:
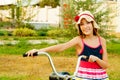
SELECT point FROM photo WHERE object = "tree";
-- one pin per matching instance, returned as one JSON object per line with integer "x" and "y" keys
{"x": 52, "y": 3}
{"x": 20, "y": 13}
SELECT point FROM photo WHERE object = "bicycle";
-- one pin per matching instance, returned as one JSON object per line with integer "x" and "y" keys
{"x": 59, "y": 75}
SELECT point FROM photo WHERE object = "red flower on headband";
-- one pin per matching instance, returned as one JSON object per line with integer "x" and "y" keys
{"x": 76, "y": 18}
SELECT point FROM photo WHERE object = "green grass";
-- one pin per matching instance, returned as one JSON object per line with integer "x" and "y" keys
{"x": 13, "y": 53}
{"x": 10, "y": 78}
{"x": 113, "y": 47}
{"x": 19, "y": 78}
{"x": 18, "y": 49}
{"x": 23, "y": 46}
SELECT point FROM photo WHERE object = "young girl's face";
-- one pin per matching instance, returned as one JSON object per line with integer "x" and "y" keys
{"x": 86, "y": 27}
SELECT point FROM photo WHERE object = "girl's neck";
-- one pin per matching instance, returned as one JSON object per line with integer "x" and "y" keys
{"x": 92, "y": 41}
{"x": 90, "y": 36}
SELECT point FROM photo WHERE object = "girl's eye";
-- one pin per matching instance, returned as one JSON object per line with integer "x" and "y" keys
{"x": 88, "y": 22}
{"x": 81, "y": 24}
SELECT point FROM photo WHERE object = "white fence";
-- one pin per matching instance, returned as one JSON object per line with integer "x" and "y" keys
{"x": 42, "y": 15}
{"x": 47, "y": 14}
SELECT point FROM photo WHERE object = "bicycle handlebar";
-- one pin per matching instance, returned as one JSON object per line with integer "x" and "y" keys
{"x": 53, "y": 67}
{"x": 34, "y": 54}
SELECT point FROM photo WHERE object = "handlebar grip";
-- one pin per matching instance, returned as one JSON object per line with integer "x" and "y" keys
{"x": 34, "y": 54}
{"x": 85, "y": 57}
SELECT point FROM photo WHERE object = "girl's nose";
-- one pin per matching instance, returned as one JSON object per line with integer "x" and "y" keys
{"x": 85, "y": 25}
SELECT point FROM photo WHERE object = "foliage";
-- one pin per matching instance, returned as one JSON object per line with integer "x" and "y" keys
{"x": 20, "y": 13}
{"x": 5, "y": 33}
{"x": 24, "y": 25}
{"x": 42, "y": 32}
{"x": 24, "y": 32}
{"x": 53, "y": 3}
{"x": 4, "y": 24}
{"x": 5, "y": 7}
{"x": 60, "y": 32}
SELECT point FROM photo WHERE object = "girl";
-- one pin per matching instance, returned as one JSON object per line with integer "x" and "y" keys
{"x": 88, "y": 43}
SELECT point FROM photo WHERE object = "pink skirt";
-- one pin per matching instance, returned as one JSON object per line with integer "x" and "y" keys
{"x": 91, "y": 73}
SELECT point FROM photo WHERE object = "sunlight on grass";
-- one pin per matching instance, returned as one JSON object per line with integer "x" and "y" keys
{"x": 15, "y": 67}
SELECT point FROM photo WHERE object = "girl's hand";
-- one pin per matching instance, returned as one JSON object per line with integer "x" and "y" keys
{"x": 30, "y": 52}
{"x": 92, "y": 58}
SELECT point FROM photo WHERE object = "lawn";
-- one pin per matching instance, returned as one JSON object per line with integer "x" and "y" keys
{"x": 15, "y": 67}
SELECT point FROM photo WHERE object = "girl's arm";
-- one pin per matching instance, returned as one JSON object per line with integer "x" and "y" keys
{"x": 57, "y": 48}
{"x": 61, "y": 47}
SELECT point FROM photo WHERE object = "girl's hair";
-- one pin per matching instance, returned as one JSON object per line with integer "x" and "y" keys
{"x": 95, "y": 31}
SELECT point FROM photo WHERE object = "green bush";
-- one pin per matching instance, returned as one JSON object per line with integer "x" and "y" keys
{"x": 24, "y": 32}
{"x": 42, "y": 32}
{"x": 24, "y": 25}
{"x": 54, "y": 32}
{"x": 3, "y": 33}
{"x": 62, "y": 33}
{"x": 27, "y": 25}
{"x": 4, "y": 24}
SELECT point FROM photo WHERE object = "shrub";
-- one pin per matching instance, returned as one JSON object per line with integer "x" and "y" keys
{"x": 24, "y": 25}
{"x": 62, "y": 33}
{"x": 42, "y": 32}
{"x": 54, "y": 33}
{"x": 4, "y": 24}
{"x": 24, "y": 32}
{"x": 3, "y": 33}
{"x": 27, "y": 25}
